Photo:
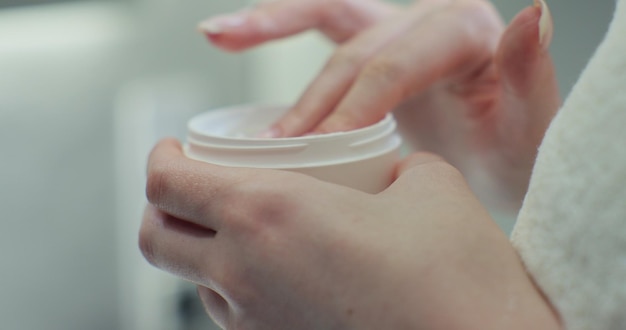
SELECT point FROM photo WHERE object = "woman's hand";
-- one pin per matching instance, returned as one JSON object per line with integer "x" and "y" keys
{"x": 279, "y": 250}
{"x": 461, "y": 85}
{"x": 386, "y": 54}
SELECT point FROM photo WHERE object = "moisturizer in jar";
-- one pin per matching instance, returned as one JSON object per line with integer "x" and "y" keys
{"x": 364, "y": 159}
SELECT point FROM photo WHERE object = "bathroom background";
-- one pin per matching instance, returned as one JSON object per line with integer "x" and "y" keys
{"x": 86, "y": 88}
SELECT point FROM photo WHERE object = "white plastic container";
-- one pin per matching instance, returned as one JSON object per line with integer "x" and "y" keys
{"x": 363, "y": 159}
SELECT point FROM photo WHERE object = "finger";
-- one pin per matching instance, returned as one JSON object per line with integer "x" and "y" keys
{"x": 215, "y": 305}
{"x": 186, "y": 188}
{"x": 336, "y": 78}
{"x": 530, "y": 96}
{"x": 337, "y": 19}
{"x": 524, "y": 60}
{"x": 176, "y": 246}
{"x": 417, "y": 61}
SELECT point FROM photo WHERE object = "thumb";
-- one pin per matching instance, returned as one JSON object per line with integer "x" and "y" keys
{"x": 523, "y": 59}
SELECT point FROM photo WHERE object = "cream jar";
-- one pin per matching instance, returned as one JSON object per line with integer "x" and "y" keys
{"x": 364, "y": 159}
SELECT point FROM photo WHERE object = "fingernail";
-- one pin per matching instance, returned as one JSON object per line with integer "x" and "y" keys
{"x": 272, "y": 133}
{"x": 546, "y": 25}
{"x": 218, "y": 25}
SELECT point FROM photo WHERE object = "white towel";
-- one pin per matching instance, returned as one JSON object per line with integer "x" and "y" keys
{"x": 571, "y": 231}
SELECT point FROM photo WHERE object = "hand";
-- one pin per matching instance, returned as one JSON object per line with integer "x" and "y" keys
{"x": 279, "y": 250}
{"x": 462, "y": 86}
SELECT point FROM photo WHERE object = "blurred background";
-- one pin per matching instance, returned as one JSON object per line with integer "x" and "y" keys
{"x": 86, "y": 89}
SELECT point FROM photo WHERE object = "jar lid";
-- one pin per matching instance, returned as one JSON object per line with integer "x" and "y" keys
{"x": 228, "y": 137}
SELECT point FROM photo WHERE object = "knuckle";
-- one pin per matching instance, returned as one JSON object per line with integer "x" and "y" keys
{"x": 234, "y": 204}
{"x": 346, "y": 57}
{"x": 158, "y": 182}
{"x": 383, "y": 70}
{"x": 332, "y": 11}
{"x": 146, "y": 245}
{"x": 255, "y": 206}
{"x": 471, "y": 6}
{"x": 155, "y": 184}
{"x": 476, "y": 19}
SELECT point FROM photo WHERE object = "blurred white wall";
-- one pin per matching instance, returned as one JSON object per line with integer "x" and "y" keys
{"x": 85, "y": 89}
{"x": 63, "y": 70}
{"x": 58, "y": 270}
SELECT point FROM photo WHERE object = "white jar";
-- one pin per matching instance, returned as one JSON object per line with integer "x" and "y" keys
{"x": 363, "y": 159}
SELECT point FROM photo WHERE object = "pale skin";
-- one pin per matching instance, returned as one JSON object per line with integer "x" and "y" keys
{"x": 461, "y": 86}
{"x": 279, "y": 250}
{"x": 268, "y": 254}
